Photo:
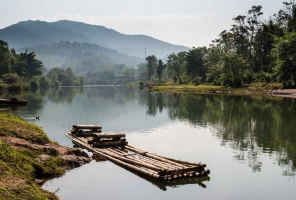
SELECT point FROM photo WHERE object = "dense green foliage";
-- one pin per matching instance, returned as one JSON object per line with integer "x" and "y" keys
{"x": 22, "y": 71}
{"x": 116, "y": 75}
{"x": 253, "y": 50}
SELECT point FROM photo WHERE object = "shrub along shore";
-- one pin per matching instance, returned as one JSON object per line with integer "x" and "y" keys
{"x": 28, "y": 156}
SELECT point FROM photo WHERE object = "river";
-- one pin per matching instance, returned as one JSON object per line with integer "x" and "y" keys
{"x": 248, "y": 142}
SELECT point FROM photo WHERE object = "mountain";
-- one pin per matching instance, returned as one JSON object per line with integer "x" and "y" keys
{"x": 81, "y": 57}
{"x": 30, "y": 33}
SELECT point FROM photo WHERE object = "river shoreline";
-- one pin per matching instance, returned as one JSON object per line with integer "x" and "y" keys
{"x": 204, "y": 89}
{"x": 28, "y": 156}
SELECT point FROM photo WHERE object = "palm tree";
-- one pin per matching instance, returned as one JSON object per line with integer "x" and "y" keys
{"x": 33, "y": 67}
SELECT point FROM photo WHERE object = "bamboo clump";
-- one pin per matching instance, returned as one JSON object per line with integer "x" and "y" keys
{"x": 114, "y": 147}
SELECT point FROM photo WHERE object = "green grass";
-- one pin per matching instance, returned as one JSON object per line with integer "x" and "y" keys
{"x": 22, "y": 165}
{"x": 251, "y": 88}
{"x": 26, "y": 192}
{"x": 11, "y": 125}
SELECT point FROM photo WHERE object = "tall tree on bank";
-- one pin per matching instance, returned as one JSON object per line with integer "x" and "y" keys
{"x": 143, "y": 72}
{"x": 33, "y": 66}
{"x": 285, "y": 56}
{"x": 195, "y": 63}
{"x": 151, "y": 66}
{"x": 176, "y": 64}
{"x": 159, "y": 70}
{"x": 5, "y": 58}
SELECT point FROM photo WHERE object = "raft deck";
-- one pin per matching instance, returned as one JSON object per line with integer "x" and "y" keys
{"x": 132, "y": 158}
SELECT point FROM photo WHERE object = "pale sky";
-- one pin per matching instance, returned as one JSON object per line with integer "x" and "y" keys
{"x": 184, "y": 22}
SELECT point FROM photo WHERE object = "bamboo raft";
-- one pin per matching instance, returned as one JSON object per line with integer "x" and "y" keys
{"x": 114, "y": 147}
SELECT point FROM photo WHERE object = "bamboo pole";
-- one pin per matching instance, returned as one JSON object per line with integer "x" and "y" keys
{"x": 153, "y": 156}
{"x": 158, "y": 162}
{"x": 121, "y": 150}
{"x": 109, "y": 144}
{"x": 135, "y": 162}
{"x": 109, "y": 140}
{"x": 149, "y": 173}
{"x": 87, "y": 126}
{"x": 108, "y": 135}
{"x": 119, "y": 153}
{"x": 161, "y": 169}
{"x": 178, "y": 161}
{"x": 99, "y": 152}
{"x": 133, "y": 159}
{"x": 159, "y": 165}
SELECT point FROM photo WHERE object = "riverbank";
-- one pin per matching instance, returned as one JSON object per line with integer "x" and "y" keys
{"x": 272, "y": 89}
{"x": 14, "y": 87}
{"x": 28, "y": 156}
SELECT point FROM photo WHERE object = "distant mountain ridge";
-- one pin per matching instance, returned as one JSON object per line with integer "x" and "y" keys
{"x": 81, "y": 57}
{"x": 30, "y": 33}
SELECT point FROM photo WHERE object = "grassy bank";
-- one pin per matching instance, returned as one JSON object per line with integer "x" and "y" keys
{"x": 27, "y": 155}
{"x": 255, "y": 88}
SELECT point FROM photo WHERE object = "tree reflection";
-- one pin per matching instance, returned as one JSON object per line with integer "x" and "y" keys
{"x": 250, "y": 125}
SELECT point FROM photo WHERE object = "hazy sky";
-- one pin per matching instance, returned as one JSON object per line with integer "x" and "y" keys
{"x": 183, "y": 22}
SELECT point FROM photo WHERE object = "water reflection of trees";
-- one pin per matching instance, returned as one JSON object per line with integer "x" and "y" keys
{"x": 62, "y": 94}
{"x": 250, "y": 125}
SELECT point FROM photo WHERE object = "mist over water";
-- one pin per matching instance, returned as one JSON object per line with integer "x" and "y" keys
{"x": 247, "y": 142}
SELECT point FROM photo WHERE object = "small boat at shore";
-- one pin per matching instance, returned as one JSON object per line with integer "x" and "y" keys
{"x": 14, "y": 101}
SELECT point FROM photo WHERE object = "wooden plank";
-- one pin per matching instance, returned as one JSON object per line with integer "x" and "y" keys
{"x": 109, "y": 144}
{"x": 108, "y": 135}
{"x": 87, "y": 126}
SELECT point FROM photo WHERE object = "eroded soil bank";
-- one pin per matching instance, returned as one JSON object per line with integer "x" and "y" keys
{"x": 27, "y": 156}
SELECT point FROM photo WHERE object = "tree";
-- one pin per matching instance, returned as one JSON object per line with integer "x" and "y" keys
{"x": 33, "y": 66}
{"x": 5, "y": 58}
{"x": 151, "y": 65}
{"x": 176, "y": 64}
{"x": 195, "y": 63}
{"x": 286, "y": 17}
{"x": 159, "y": 70}
{"x": 285, "y": 58}
{"x": 232, "y": 69}
{"x": 143, "y": 72}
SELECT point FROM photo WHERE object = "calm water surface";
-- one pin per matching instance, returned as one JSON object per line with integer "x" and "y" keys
{"x": 248, "y": 143}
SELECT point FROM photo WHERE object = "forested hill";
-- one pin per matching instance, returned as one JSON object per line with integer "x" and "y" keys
{"x": 30, "y": 33}
{"x": 81, "y": 57}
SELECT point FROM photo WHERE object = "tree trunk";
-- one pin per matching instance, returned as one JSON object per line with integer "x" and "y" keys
{"x": 180, "y": 81}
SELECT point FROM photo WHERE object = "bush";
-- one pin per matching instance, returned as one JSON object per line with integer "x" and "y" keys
{"x": 35, "y": 82}
{"x": 11, "y": 78}
{"x": 45, "y": 81}
{"x": 196, "y": 81}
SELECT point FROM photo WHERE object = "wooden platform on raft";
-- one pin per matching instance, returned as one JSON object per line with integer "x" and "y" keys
{"x": 132, "y": 158}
